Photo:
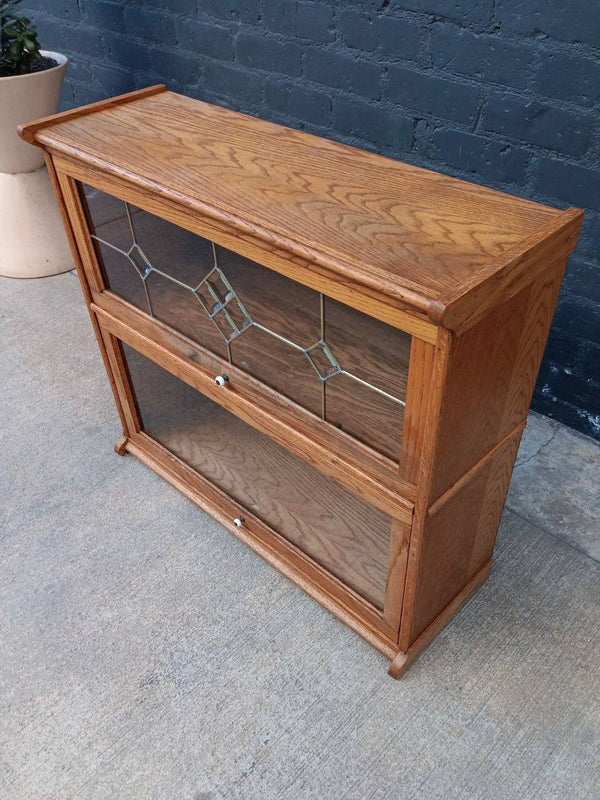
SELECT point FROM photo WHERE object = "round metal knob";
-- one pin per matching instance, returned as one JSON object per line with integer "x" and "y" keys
{"x": 221, "y": 380}
{"x": 238, "y": 522}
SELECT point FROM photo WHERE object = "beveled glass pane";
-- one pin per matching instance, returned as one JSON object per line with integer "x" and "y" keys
{"x": 338, "y": 530}
{"x": 368, "y": 348}
{"x": 285, "y": 308}
{"x": 180, "y": 308}
{"x": 279, "y": 366}
{"x": 378, "y": 354}
{"x": 113, "y": 243}
{"x": 364, "y": 414}
{"x": 336, "y": 362}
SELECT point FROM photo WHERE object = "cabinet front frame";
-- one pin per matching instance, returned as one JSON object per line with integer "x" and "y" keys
{"x": 380, "y": 628}
{"x": 389, "y": 484}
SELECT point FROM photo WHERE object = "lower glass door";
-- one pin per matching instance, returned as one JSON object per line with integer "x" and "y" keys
{"x": 341, "y": 532}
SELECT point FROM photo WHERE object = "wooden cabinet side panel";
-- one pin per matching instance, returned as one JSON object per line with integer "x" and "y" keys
{"x": 458, "y": 538}
{"x": 543, "y": 299}
{"x": 482, "y": 399}
{"x": 492, "y": 371}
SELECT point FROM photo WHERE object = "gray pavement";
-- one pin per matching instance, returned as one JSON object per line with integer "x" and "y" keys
{"x": 146, "y": 653}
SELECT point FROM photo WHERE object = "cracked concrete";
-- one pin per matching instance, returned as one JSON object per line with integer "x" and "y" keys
{"x": 148, "y": 655}
{"x": 529, "y": 441}
{"x": 556, "y": 483}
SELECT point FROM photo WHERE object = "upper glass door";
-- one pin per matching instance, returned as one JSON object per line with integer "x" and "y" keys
{"x": 342, "y": 365}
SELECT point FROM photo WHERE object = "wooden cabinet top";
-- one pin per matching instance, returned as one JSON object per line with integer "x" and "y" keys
{"x": 439, "y": 247}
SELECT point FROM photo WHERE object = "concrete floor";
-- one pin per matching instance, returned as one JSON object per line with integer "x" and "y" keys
{"x": 145, "y": 653}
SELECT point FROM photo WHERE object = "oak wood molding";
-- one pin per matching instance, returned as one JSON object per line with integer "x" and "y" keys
{"x": 396, "y": 575}
{"x": 429, "y": 245}
{"x": 29, "y": 130}
{"x": 438, "y": 367}
{"x": 511, "y": 272}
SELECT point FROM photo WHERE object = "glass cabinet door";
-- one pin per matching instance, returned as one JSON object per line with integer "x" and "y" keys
{"x": 338, "y": 363}
{"x": 344, "y": 534}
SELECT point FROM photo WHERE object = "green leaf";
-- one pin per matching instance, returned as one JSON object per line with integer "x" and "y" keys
{"x": 19, "y": 45}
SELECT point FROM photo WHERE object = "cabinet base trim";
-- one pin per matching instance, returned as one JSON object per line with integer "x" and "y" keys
{"x": 403, "y": 660}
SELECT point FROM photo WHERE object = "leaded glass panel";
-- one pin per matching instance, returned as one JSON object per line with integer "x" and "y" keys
{"x": 340, "y": 364}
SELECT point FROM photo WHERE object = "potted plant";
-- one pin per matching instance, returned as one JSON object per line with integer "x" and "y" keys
{"x": 33, "y": 241}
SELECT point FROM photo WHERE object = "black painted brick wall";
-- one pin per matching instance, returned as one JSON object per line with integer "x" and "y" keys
{"x": 502, "y": 92}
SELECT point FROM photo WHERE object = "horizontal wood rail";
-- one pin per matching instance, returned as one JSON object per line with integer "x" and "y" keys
{"x": 29, "y": 130}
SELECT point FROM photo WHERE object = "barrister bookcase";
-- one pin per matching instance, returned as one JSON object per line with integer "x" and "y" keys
{"x": 331, "y": 352}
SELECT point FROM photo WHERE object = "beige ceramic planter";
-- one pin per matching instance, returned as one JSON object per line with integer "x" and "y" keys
{"x": 33, "y": 240}
{"x": 22, "y": 99}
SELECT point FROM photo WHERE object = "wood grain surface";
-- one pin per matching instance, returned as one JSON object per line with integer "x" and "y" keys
{"x": 28, "y": 131}
{"x": 481, "y": 387}
{"x": 404, "y": 658}
{"x": 419, "y": 237}
{"x": 459, "y": 536}
{"x": 273, "y": 255}
{"x": 491, "y": 375}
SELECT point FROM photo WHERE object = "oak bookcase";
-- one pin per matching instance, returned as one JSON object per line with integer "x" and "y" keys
{"x": 331, "y": 352}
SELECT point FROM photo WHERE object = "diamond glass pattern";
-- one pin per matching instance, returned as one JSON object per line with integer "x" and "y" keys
{"x": 137, "y": 257}
{"x": 224, "y": 307}
{"x": 323, "y": 360}
{"x": 222, "y": 304}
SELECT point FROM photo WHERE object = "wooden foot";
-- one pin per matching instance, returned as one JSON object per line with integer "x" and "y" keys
{"x": 402, "y": 661}
{"x": 121, "y": 445}
{"x": 398, "y": 665}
